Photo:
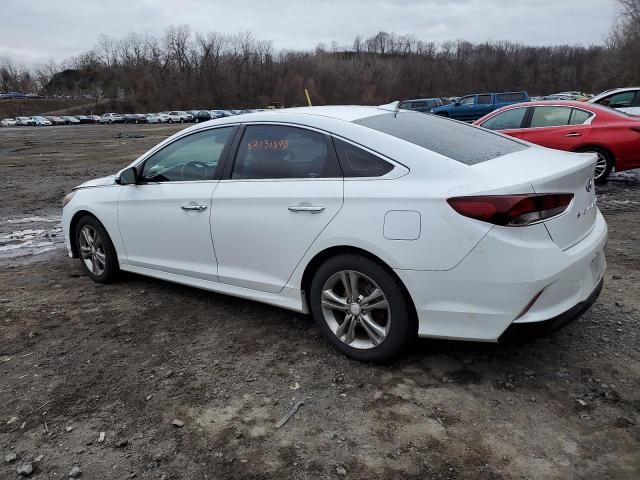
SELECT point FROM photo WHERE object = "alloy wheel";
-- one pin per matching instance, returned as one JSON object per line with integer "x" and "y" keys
{"x": 356, "y": 309}
{"x": 601, "y": 166}
{"x": 92, "y": 250}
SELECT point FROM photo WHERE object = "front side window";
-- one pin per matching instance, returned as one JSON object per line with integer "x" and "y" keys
{"x": 467, "y": 100}
{"x": 619, "y": 100}
{"x": 194, "y": 157}
{"x": 484, "y": 99}
{"x": 506, "y": 120}
{"x": 550, "y": 116}
{"x": 356, "y": 162}
{"x": 277, "y": 151}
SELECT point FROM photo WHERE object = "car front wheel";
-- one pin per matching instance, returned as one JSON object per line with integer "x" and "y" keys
{"x": 97, "y": 254}
{"x": 361, "y": 309}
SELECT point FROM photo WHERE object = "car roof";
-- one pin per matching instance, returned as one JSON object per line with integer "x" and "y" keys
{"x": 420, "y": 99}
{"x": 347, "y": 113}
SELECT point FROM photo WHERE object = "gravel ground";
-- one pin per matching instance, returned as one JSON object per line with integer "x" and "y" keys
{"x": 146, "y": 379}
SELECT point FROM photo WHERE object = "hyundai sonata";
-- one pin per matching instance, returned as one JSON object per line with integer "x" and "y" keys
{"x": 382, "y": 223}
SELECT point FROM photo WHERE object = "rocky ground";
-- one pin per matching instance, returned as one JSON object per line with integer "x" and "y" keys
{"x": 146, "y": 379}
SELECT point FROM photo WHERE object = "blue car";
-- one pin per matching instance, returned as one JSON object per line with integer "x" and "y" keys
{"x": 472, "y": 107}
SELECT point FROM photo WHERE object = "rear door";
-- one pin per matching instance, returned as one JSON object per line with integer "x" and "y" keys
{"x": 282, "y": 190}
{"x": 561, "y": 127}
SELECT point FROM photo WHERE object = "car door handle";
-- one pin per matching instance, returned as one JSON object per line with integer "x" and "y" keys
{"x": 306, "y": 208}
{"x": 194, "y": 208}
{"x": 573, "y": 134}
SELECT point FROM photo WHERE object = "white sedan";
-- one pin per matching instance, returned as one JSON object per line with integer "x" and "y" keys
{"x": 624, "y": 99}
{"x": 158, "y": 118}
{"x": 41, "y": 121}
{"x": 8, "y": 122}
{"x": 385, "y": 225}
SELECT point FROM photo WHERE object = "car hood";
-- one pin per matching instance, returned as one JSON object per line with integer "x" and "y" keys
{"x": 98, "y": 182}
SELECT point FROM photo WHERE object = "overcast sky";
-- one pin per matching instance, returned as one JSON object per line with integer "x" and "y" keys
{"x": 39, "y": 30}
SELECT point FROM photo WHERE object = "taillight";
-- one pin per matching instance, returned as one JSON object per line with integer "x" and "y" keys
{"x": 512, "y": 210}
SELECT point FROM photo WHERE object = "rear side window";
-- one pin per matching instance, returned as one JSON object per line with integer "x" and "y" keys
{"x": 511, "y": 97}
{"x": 458, "y": 141}
{"x": 484, "y": 99}
{"x": 636, "y": 102}
{"x": 550, "y": 116}
{"x": 508, "y": 119}
{"x": 578, "y": 117}
{"x": 276, "y": 151}
{"x": 356, "y": 162}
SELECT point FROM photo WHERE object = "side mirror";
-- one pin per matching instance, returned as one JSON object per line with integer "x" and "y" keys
{"x": 128, "y": 176}
{"x": 456, "y": 104}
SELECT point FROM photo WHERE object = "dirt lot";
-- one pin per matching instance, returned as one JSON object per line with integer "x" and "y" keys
{"x": 78, "y": 359}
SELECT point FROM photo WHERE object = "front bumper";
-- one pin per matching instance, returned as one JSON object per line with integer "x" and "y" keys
{"x": 494, "y": 285}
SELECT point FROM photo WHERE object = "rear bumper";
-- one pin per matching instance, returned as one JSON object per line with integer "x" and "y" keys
{"x": 513, "y": 276}
{"x": 523, "y": 331}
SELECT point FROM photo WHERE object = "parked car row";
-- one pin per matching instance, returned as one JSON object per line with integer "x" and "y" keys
{"x": 174, "y": 116}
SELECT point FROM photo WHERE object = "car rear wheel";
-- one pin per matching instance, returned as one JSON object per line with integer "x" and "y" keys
{"x": 604, "y": 164}
{"x": 361, "y": 309}
{"x": 97, "y": 254}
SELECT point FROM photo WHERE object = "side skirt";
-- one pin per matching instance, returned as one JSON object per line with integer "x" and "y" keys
{"x": 288, "y": 298}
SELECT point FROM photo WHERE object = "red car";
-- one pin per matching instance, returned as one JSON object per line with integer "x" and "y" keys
{"x": 575, "y": 127}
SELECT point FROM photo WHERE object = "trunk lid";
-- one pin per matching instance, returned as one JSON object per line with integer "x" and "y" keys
{"x": 553, "y": 171}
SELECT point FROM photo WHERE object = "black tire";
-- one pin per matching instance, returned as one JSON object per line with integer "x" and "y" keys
{"x": 171, "y": 120}
{"x": 401, "y": 327}
{"x": 608, "y": 159}
{"x": 111, "y": 267}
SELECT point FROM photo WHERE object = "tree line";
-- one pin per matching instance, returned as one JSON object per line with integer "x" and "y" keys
{"x": 186, "y": 69}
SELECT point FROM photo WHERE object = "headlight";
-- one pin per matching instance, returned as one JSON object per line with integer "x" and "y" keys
{"x": 67, "y": 198}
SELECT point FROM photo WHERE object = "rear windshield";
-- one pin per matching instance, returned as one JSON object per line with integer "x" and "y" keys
{"x": 456, "y": 140}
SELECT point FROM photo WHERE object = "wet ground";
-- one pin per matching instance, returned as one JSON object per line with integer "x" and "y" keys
{"x": 81, "y": 361}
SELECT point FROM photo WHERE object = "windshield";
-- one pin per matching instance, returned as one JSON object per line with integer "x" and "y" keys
{"x": 456, "y": 140}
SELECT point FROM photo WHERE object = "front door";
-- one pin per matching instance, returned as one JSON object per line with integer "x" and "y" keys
{"x": 164, "y": 219}
{"x": 284, "y": 188}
